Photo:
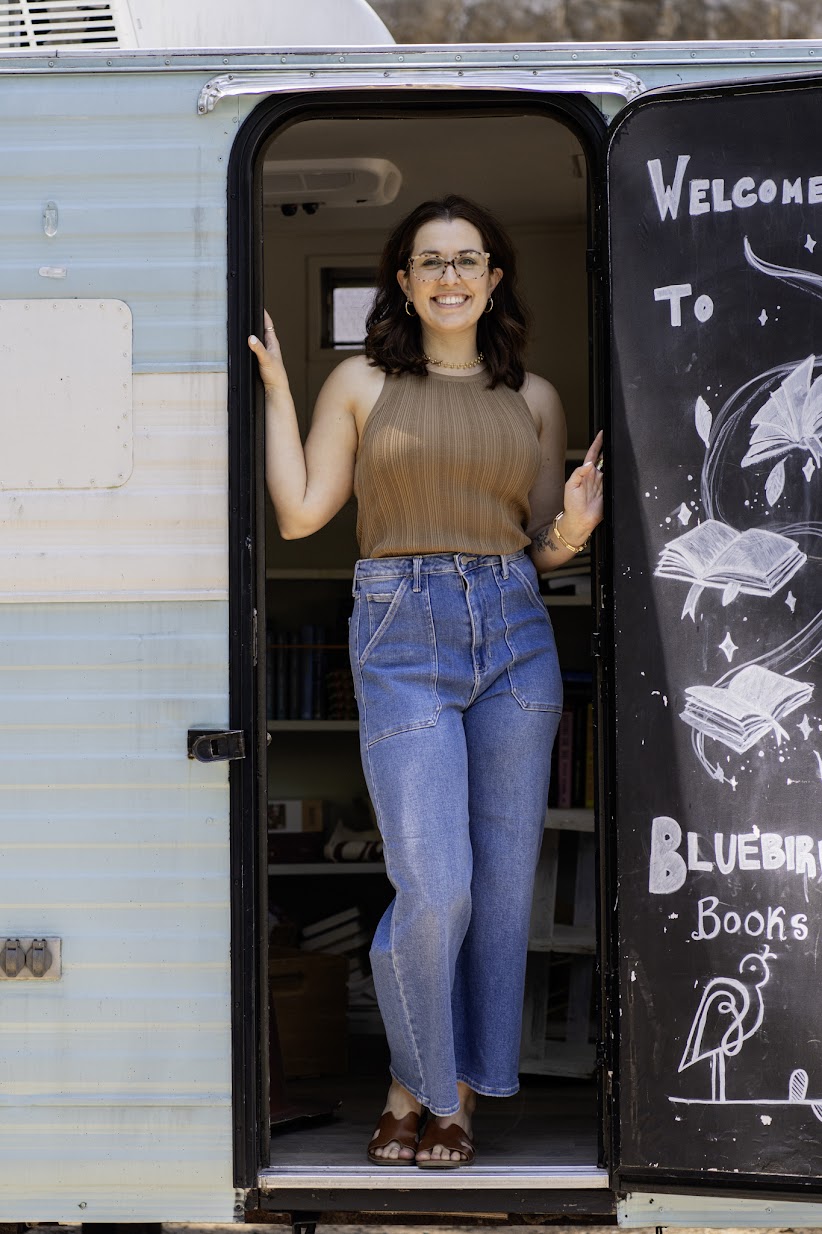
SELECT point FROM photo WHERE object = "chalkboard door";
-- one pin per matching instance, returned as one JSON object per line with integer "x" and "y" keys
{"x": 715, "y": 461}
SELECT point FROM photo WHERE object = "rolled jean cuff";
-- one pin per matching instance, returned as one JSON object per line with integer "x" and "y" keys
{"x": 419, "y": 1096}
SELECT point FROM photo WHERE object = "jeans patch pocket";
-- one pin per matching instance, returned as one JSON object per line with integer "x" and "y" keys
{"x": 396, "y": 660}
{"x": 533, "y": 671}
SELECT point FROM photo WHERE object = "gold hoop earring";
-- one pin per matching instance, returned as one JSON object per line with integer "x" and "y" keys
{"x": 489, "y": 305}
{"x": 408, "y": 308}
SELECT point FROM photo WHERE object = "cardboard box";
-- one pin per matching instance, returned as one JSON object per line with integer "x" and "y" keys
{"x": 308, "y": 993}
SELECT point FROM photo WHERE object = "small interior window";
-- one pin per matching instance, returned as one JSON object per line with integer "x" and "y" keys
{"x": 347, "y": 299}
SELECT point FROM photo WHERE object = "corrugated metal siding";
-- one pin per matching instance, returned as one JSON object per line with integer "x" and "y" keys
{"x": 115, "y": 1099}
{"x": 115, "y": 1081}
{"x": 139, "y": 180}
{"x": 162, "y": 534}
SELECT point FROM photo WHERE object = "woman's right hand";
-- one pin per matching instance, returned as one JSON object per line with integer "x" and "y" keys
{"x": 269, "y": 357}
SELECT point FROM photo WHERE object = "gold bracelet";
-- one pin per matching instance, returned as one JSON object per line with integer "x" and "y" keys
{"x": 574, "y": 548}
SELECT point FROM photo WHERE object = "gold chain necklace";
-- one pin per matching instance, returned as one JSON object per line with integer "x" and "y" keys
{"x": 445, "y": 364}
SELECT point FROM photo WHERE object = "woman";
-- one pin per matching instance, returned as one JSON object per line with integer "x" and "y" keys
{"x": 456, "y": 456}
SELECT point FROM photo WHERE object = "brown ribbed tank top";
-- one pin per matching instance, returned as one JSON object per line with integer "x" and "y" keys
{"x": 445, "y": 465}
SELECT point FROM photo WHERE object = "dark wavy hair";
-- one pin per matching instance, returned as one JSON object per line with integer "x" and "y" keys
{"x": 394, "y": 339}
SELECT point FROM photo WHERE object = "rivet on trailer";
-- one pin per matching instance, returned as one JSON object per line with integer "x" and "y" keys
{"x": 166, "y": 657}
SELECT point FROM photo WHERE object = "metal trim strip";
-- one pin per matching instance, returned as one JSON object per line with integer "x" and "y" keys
{"x": 580, "y": 81}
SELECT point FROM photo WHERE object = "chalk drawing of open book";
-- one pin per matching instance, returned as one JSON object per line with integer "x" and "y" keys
{"x": 791, "y": 419}
{"x": 754, "y": 562}
{"x": 745, "y": 710}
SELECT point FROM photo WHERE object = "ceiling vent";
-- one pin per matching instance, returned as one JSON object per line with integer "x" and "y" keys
{"x": 330, "y": 182}
{"x": 29, "y": 24}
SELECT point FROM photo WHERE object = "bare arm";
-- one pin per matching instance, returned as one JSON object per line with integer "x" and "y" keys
{"x": 580, "y": 497}
{"x": 308, "y": 485}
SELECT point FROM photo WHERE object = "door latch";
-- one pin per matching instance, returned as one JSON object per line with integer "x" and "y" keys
{"x": 209, "y": 745}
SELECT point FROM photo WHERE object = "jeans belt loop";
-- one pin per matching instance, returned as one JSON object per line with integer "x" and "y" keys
{"x": 417, "y": 571}
{"x": 354, "y": 584}
{"x": 504, "y": 563}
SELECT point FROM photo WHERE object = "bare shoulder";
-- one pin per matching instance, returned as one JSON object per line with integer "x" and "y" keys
{"x": 543, "y": 401}
{"x": 356, "y": 382}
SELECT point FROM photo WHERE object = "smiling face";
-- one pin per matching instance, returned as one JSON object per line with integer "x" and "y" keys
{"x": 452, "y": 304}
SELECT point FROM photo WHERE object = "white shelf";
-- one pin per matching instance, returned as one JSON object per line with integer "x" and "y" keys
{"x": 569, "y": 820}
{"x": 327, "y": 867}
{"x": 313, "y": 726}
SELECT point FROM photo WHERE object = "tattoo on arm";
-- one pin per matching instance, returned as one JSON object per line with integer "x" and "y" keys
{"x": 543, "y": 539}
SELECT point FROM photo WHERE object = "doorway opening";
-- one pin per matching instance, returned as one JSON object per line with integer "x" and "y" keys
{"x": 330, "y": 185}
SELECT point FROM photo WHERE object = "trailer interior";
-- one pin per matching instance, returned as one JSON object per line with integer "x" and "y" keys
{"x": 332, "y": 186}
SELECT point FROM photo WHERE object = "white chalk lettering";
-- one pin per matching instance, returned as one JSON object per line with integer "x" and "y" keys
{"x": 792, "y": 191}
{"x": 708, "y": 194}
{"x": 667, "y": 870}
{"x": 698, "y": 193}
{"x": 703, "y": 308}
{"x": 694, "y": 860}
{"x": 721, "y": 202}
{"x": 805, "y": 860}
{"x": 667, "y": 196}
{"x": 672, "y": 860}
{"x": 725, "y": 865}
{"x": 710, "y": 924}
{"x": 675, "y": 294}
{"x": 814, "y": 190}
{"x": 748, "y": 859}
{"x": 773, "y": 854}
{"x": 706, "y": 908}
{"x": 743, "y": 194}
{"x": 776, "y": 917}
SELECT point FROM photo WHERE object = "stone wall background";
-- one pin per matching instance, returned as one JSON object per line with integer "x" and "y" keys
{"x": 544, "y": 21}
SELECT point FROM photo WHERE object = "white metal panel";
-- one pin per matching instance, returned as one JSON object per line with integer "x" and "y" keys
{"x": 714, "y": 1212}
{"x": 256, "y": 23}
{"x": 65, "y": 373}
{"x": 115, "y": 1095}
{"x": 162, "y": 534}
{"x": 138, "y": 188}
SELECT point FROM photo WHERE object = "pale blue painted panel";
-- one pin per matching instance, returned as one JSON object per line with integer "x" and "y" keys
{"x": 115, "y": 1079}
{"x": 140, "y": 184}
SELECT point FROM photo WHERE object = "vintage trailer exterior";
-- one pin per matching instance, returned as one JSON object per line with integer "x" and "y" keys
{"x": 132, "y": 1089}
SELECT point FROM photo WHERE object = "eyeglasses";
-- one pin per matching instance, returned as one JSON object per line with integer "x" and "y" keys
{"x": 428, "y": 267}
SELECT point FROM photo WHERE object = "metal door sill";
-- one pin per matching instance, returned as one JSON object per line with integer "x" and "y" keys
{"x": 407, "y": 1178}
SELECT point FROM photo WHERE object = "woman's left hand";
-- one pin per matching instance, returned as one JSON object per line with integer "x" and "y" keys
{"x": 583, "y": 496}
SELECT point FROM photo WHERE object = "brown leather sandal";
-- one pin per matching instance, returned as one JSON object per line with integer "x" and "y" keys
{"x": 453, "y": 1138}
{"x": 403, "y": 1130}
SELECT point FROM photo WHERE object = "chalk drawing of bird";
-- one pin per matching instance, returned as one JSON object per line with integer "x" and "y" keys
{"x": 729, "y": 1012}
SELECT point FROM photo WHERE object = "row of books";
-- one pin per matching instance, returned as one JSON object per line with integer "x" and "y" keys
{"x": 572, "y": 759}
{"x": 344, "y": 933}
{"x": 309, "y": 676}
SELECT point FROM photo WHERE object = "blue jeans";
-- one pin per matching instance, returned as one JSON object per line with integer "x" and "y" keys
{"x": 459, "y": 696}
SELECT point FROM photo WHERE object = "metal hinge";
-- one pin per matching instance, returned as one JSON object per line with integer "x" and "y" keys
{"x": 254, "y": 638}
{"x": 210, "y": 745}
{"x": 596, "y": 648}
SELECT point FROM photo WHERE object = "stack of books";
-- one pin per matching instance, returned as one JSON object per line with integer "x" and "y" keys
{"x": 309, "y": 677}
{"x": 572, "y": 759}
{"x": 344, "y": 933}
